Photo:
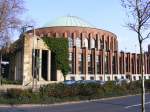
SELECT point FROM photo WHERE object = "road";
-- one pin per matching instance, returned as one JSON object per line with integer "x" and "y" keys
{"x": 126, "y": 104}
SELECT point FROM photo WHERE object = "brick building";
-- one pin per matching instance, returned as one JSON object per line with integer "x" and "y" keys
{"x": 93, "y": 54}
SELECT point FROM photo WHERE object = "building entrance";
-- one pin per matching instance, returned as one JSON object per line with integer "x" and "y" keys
{"x": 44, "y": 64}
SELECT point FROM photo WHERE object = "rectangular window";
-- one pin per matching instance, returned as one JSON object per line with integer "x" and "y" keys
{"x": 72, "y": 78}
{"x": 116, "y": 78}
{"x": 70, "y": 63}
{"x": 120, "y": 63}
{"x": 70, "y": 56}
{"x": 70, "y": 42}
{"x": 91, "y": 78}
{"x": 134, "y": 78}
{"x": 127, "y": 64}
{"x": 139, "y": 77}
{"x": 82, "y": 78}
{"x": 81, "y": 63}
{"x": 108, "y": 78}
{"x": 132, "y": 66}
{"x": 98, "y": 64}
{"x": 106, "y": 64}
{"x": 138, "y": 69}
{"x": 113, "y": 65}
{"x": 100, "y": 78}
{"x": 90, "y": 64}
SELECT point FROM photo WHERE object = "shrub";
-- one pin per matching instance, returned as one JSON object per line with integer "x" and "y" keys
{"x": 147, "y": 84}
{"x": 59, "y": 92}
{"x": 120, "y": 90}
{"x": 26, "y": 94}
{"x": 6, "y": 81}
{"x": 14, "y": 93}
{"x": 86, "y": 90}
{"x": 109, "y": 88}
{"x": 134, "y": 87}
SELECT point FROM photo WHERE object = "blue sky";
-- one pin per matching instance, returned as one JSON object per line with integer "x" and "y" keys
{"x": 103, "y": 14}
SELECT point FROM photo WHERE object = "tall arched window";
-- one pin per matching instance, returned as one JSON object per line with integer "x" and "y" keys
{"x": 85, "y": 42}
{"x": 70, "y": 42}
{"x": 106, "y": 46}
{"x": 101, "y": 44}
{"x": 78, "y": 42}
{"x": 92, "y": 43}
{"x": 98, "y": 43}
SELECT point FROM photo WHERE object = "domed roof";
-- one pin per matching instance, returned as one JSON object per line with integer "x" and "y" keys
{"x": 69, "y": 21}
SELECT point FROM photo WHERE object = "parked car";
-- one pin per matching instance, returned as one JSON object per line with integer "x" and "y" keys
{"x": 79, "y": 82}
{"x": 90, "y": 82}
{"x": 122, "y": 81}
{"x": 100, "y": 82}
{"x": 69, "y": 82}
{"x": 85, "y": 81}
{"x": 72, "y": 82}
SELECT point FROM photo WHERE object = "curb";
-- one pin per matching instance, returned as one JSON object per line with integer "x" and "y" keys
{"x": 62, "y": 103}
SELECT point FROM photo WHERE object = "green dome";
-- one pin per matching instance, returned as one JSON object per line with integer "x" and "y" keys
{"x": 69, "y": 21}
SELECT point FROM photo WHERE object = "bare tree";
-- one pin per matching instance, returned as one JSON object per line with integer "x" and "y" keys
{"x": 10, "y": 11}
{"x": 139, "y": 22}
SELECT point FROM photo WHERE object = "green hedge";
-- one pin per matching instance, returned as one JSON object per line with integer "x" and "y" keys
{"x": 6, "y": 81}
{"x": 59, "y": 92}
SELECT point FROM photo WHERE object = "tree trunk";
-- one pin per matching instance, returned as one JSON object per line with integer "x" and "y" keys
{"x": 142, "y": 74}
{"x": 64, "y": 77}
{"x": 0, "y": 68}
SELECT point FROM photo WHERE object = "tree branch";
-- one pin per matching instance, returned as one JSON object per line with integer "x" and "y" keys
{"x": 148, "y": 36}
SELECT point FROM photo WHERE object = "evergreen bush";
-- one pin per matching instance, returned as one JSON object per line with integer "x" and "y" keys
{"x": 59, "y": 92}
